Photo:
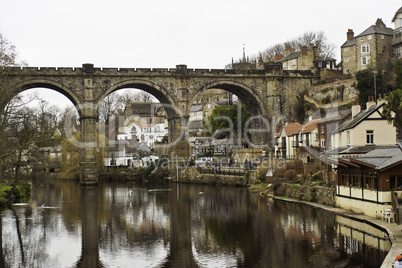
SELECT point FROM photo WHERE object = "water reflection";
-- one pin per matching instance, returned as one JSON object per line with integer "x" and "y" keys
{"x": 173, "y": 225}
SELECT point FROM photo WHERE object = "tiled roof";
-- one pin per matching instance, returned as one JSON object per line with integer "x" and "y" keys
{"x": 292, "y": 128}
{"x": 336, "y": 115}
{"x": 142, "y": 125}
{"x": 358, "y": 118}
{"x": 293, "y": 55}
{"x": 310, "y": 126}
{"x": 374, "y": 29}
{"x": 381, "y": 158}
{"x": 196, "y": 108}
{"x": 350, "y": 42}
{"x": 353, "y": 150}
{"x": 196, "y": 124}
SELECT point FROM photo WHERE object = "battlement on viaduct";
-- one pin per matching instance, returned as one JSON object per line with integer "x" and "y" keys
{"x": 271, "y": 69}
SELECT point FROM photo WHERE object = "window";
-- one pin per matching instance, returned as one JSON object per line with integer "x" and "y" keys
{"x": 348, "y": 137}
{"x": 284, "y": 65}
{"x": 370, "y": 136}
{"x": 369, "y": 37}
{"x": 346, "y": 49}
{"x": 398, "y": 53}
{"x": 293, "y": 62}
{"x": 382, "y": 36}
{"x": 209, "y": 105}
{"x": 365, "y": 48}
{"x": 347, "y": 70}
{"x": 346, "y": 59}
{"x": 361, "y": 38}
{"x": 322, "y": 143}
{"x": 365, "y": 60}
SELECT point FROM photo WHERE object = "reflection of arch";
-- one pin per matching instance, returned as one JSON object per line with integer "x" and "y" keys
{"x": 159, "y": 93}
{"x": 247, "y": 95}
{"x": 49, "y": 84}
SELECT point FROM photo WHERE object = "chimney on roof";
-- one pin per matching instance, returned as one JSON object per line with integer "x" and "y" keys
{"x": 278, "y": 57}
{"x": 288, "y": 50}
{"x": 381, "y": 99}
{"x": 380, "y": 23}
{"x": 350, "y": 34}
{"x": 355, "y": 108}
{"x": 370, "y": 102}
{"x": 260, "y": 62}
{"x": 303, "y": 50}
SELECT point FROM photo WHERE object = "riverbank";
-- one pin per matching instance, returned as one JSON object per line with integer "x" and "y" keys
{"x": 21, "y": 193}
{"x": 393, "y": 230}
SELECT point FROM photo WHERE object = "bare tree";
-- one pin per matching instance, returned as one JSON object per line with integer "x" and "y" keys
{"x": 143, "y": 96}
{"x": 318, "y": 39}
{"x": 8, "y": 54}
{"x": 109, "y": 107}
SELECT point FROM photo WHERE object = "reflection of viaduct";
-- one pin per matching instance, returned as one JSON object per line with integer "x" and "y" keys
{"x": 263, "y": 92}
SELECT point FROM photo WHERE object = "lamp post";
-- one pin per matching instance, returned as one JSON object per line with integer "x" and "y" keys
{"x": 375, "y": 89}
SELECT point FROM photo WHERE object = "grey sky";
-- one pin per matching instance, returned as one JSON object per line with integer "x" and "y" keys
{"x": 201, "y": 34}
{"x": 162, "y": 34}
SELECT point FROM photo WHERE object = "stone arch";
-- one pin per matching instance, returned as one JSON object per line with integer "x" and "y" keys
{"x": 247, "y": 95}
{"x": 258, "y": 125}
{"x": 150, "y": 87}
{"x": 49, "y": 84}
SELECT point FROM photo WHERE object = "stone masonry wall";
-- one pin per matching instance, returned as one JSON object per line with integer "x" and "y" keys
{"x": 323, "y": 195}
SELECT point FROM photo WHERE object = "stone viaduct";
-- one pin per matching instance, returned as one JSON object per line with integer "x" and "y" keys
{"x": 266, "y": 92}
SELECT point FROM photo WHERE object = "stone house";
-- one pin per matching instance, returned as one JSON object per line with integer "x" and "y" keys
{"x": 373, "y": 46}
{"x": 305, "y": 59}
{"x": 145, "y": 112}
{"x": 397, "y": 38}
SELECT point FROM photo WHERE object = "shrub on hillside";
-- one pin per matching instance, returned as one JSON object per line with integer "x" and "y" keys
{"x": 290, "y": 175}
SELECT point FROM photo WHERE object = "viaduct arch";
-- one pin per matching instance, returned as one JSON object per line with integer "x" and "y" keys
{"x": 262, "y": 90}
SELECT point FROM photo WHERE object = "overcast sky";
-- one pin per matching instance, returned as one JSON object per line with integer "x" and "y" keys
{"x": 163, "y": 34}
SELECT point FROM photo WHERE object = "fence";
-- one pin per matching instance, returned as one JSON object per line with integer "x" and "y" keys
{"x": 229, "y": 171}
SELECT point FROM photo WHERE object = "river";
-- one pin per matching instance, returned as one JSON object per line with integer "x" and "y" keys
{"x": 178, "y": 225}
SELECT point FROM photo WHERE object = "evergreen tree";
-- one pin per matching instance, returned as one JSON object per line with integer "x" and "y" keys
{"x": 393, "y": 111}
{"x": 365, "y": 85}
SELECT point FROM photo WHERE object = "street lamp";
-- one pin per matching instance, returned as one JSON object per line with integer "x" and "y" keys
{"x": 375, "y": 89}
